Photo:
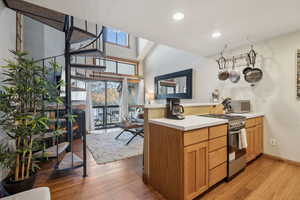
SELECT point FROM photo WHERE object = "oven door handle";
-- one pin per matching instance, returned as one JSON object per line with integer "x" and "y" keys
{"x": 234, "y": 132}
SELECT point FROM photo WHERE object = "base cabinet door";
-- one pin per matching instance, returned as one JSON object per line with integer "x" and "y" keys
{"x": 251, "y": 144}
{"x": 255, "y": 141}
{"x": 195, "y": 170}
{"x": 259, "y": 139}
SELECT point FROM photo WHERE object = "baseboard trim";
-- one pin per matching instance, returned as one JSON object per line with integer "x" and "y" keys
{"x": 277, "y": 158}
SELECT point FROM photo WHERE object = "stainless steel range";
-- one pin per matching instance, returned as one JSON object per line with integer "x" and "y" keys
{"x": 236, "y": 154}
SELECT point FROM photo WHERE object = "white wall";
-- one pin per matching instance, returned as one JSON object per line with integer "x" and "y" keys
{"x": 123, "y": 52}
{"x": 275, "y": 95}
{"x": 8, "y": 41}
{"x": 164, "y": 59}
{"x": 7, "y": 33}
{"x": 42, "y": 41}
{"x": 33, "y": 38}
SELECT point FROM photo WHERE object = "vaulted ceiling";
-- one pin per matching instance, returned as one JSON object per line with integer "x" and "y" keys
{"x": 152, "y": 19}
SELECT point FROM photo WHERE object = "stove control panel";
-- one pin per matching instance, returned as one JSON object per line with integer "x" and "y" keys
{"x": 236, "y": 124}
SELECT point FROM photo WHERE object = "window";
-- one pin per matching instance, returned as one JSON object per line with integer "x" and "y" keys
{"x": 125, "y": 68}
{"x": 116, "y": 37}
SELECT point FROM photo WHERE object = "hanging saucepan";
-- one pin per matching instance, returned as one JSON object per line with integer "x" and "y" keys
{"x": 223, "y": 74}
{"x": 234, "y": 75}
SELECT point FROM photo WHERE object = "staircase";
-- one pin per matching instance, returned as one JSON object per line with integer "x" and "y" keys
{"x": 81, "y": 42}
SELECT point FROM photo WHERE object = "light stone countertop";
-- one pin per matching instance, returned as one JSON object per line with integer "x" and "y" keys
{"x": 189, "y": 123}
{"x": 192, "y": 122}
{"x": 184, "y": 105}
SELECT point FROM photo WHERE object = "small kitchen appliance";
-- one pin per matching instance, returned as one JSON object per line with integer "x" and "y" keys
{"x": 174, "y": 109}
{"x": 236, "y": 160}
{"x": 240, "y": 106}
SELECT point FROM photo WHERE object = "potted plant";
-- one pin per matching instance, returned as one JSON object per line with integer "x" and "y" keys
{"x": 24, "y": 92}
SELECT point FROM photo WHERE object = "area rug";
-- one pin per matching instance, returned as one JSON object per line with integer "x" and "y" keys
{"x": 105, "y": 148}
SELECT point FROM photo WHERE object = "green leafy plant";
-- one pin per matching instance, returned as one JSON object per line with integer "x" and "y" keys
{"x": 25, "y": 90}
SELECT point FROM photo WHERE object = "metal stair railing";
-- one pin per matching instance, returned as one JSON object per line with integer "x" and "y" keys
{"x": 56, "y": 76}
{"x": 95, "y": 48}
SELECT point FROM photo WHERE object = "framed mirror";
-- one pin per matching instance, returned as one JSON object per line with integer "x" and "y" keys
{"x": 174, "y": 85}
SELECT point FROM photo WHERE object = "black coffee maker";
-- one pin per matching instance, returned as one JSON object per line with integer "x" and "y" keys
{"x": 174, "y": 109}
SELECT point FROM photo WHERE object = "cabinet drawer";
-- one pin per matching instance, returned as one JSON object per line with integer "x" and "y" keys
{"x": 259, "y": 121}
{"x": 217, "y": 157}
{"x": 250, "y": 122}
{"x": 217, "y": 143}
{"x": 217, "y": 174}
{"x": 195, "y": 136}
{"x": 217, "y": 131}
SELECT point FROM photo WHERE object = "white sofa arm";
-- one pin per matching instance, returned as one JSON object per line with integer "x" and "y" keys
{"x": 42, "y": 193}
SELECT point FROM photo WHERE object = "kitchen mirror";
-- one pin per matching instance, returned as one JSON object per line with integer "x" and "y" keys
{"x": 174, "y": 85}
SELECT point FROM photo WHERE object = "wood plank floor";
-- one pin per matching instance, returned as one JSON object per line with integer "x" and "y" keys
{"x": 264, "y": 179}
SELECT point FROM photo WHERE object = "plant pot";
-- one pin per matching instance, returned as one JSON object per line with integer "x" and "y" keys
{"x": 13, "y": 187}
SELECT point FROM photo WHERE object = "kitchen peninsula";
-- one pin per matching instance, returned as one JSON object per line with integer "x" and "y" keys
{"x": 187, "y": 157}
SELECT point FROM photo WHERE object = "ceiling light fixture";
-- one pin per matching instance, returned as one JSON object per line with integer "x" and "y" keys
{"x": 216, "y": 34}
{"x": 178, "y": 16}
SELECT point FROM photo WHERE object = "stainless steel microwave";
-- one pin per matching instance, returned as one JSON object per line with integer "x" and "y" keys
{"x": 240, "y": 106}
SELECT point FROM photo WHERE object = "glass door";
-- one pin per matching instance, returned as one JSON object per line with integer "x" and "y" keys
{"x": 113, "y": 96}
{"x": 106, "y": 99}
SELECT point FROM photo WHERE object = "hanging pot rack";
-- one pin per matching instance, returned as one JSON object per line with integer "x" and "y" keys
{"x": 249, "y": 58}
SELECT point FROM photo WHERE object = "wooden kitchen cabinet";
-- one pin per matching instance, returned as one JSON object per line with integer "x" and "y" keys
{"x": 195, "y": 170}
{"x": 184, "y": 164}
{"x": 254, "y": 128}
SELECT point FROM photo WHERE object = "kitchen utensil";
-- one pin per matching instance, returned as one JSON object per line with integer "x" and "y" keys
{"x": 250, "y": 60}
{"x": 248, "y": 68}
{"x": 234, "y": 75}
{"x": 223, "y": 74}
{"x": 254, "y": 76}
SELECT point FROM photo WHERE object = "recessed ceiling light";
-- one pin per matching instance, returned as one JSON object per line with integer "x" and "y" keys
{"x": 178, "y": 16}
{"x": 216, "y": 34}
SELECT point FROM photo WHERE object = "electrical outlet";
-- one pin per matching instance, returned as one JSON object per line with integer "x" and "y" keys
{"x": 273, "y": 142}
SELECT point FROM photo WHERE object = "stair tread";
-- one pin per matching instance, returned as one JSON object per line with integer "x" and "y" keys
{"x": 51, "y": 151}
{"x": 75, "y": 127}
{"x": 47, "y": 135}
{"x": 80, "y": 35}
{"x": 93, "y": 52}
{"x": 85, "y": 66}
{"x": 66, "y": 162}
